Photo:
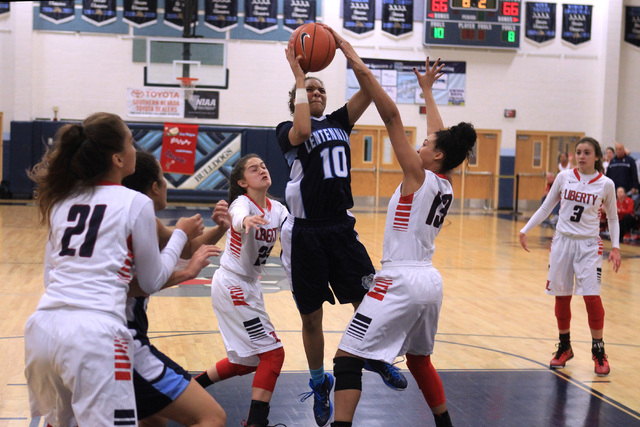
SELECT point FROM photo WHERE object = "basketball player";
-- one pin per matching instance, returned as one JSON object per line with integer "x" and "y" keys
{"x": 164, "y": 390}
{"x": 78, "y": 350}
{"x": 575, "y": 259}
{"x": 319, "y": 243}
{"x": 399, "y": 315}
{"x": 236, "y": 293}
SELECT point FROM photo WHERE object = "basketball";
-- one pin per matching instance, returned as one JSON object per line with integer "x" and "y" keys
{"x": 316, "y": 46}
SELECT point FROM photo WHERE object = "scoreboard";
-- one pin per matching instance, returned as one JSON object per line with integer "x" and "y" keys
{"x": 492, "y": 24}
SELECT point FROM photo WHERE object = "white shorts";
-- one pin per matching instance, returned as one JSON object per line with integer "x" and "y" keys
{"x": 244, "y": 323}
{"x": 574, "y": 258}
{"x": 78, "y": 368}
{"x": 399, "y": 315}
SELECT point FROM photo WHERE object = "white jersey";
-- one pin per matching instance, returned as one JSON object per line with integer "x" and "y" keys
{"x": 582, "y": 199}
{"x": 246, "y": 253}
{"x": 414, "y": 221}
{"x": 95, "y": 238}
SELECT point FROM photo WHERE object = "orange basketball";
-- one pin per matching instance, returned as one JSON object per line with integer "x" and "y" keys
{"x": 316, "y": 46}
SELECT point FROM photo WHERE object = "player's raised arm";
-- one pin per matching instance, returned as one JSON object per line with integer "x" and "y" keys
{"x": 426, "y": 81}
{"x": 301, "y": 129}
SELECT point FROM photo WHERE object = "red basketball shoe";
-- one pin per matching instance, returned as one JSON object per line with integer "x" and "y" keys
{"x": 563, "y": 354}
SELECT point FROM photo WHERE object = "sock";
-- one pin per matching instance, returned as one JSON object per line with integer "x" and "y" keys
{"x": 597, "y": 345}
{"x": 443, "y": 419}
{"x": 258, "y": 413}
{"x": 204, "y": 380}
{"x": 341, "y": 424}
{"x": 317, "y": 376}
{"x": 566, "y": 338}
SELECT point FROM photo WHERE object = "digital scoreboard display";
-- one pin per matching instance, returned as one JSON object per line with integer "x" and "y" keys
{"x": 493, "y": 24}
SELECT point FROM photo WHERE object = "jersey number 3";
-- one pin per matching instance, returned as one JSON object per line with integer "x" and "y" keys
{"x": 81, "y": 213}
{"x": 439, "y": 209}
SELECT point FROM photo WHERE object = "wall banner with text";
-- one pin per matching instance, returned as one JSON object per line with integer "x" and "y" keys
{"x": 173, "y": 14}
{"x": 57, "y": 12}
{"x": 540, "y": 22}
{"x": 179, "y": 142}
{"x": 261, "y": 16}
{"x": 297, "y": 12}
{"x": 632, "y": 25}
{"x": 5, "y": 7}
{"x": 99, "y": 12}
{"x": 155, "y": 102}
{"x": 140, "y": 13}
{"x": 576, "y": 23}
{"x": 359, "y": 15}
{"x": 399, "y": 81}
{"x": 202, "y": 104}
{"x": 221, "y": 15}
{"x": 397, "y": 17}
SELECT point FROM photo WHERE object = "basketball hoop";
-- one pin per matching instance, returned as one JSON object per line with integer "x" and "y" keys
{"x": 188, "y": 84}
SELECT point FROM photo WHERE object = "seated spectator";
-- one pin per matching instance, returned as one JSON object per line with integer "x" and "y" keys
{"x": 563, "y": 162}
{"x": 626, "y": 216}
{"x": 622, "y": 170}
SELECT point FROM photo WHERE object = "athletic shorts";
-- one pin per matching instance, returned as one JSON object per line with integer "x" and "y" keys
{"x": 244, "y": 323}
{"x": 157, "y": 379}
{"x": 399, "y": 315}
{"x": 319, "y": 253}
{"x": 574, "y": 258}
{"x": 78, "y": 367}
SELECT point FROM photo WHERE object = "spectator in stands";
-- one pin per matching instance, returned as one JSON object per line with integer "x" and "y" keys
{"x": 626, "y": 216}
{"x": 608, "y": 154}
{"x": 622, "y": 170}
{"x": 563, "y": 162}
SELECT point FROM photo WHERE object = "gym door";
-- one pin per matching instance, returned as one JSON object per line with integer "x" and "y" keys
{"x": 375, "y": 171}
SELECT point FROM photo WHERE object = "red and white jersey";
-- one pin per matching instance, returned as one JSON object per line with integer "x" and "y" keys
{"x": 414, "y": 221}
{"x": 95, "y": 237}
{"x": 244, "y": 253}
{"x": 582, "y": 199}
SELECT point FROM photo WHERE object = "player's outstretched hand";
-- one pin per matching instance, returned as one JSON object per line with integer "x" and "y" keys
{"x": 221, "y": 215}
{"x": 192, "y": 226}
{"x": 432, "y": 74}
{"x": 523, "y": 242}
{"x": 614, "y": 256}
{"x": 253, "y": 221}
{"x": 200, "y": 260}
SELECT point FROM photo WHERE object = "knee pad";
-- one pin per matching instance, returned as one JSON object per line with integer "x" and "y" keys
{"x": 595, "y": 311}
{"x": 348, "y": 373}
{"x": 427, "y": 378}
{"x": 269, "y": 369}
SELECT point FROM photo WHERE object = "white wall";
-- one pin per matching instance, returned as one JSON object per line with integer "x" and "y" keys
{"x": 590, "y": 88}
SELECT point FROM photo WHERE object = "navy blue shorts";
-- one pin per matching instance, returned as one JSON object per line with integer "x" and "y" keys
{"x": 321, "y": 256}
{"x": 157, "y": 380}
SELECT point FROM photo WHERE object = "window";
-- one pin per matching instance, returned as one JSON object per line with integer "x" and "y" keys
{"x": 368, "y": 149}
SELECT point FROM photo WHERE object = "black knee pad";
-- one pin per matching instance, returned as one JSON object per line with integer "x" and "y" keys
{"x": 348, "y": 373}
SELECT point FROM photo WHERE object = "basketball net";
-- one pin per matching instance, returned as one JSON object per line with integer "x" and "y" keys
{"x": 188, "y": 84}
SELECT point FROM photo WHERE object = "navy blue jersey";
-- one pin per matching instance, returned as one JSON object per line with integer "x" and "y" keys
{"x": 320, "y": 177}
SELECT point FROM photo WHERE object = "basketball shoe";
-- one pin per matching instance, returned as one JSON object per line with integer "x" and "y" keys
{"x": 600, "y": 359}
{"x": 563, "y": 354}
{"x": 391, "y": 375}
{"x": 322, "y": 407}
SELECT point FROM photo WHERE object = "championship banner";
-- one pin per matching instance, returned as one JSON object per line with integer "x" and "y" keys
{"x": 202, "y": 104}
{"x": 5, "y": 7}
{"x": 99, "y": 12}
{"x": 397, "y": 17}
{"x": 155, "y": 102}
{"x": 399, "y": 81}
{"x": 221, "y": 15}
{"x": 173, "y": 17}
{"x": 298, "y": 12}
{"x": 576, "y": 23}
{"x": 57, "y": 12}
{"x": 140, "y": 13}
{"x": 632, "y": 25}
{"x": 359, "y": 15}
{"x": 261, "y": 16}
{"x": 540, "y": 22}
{"x": 179, "y": 148}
